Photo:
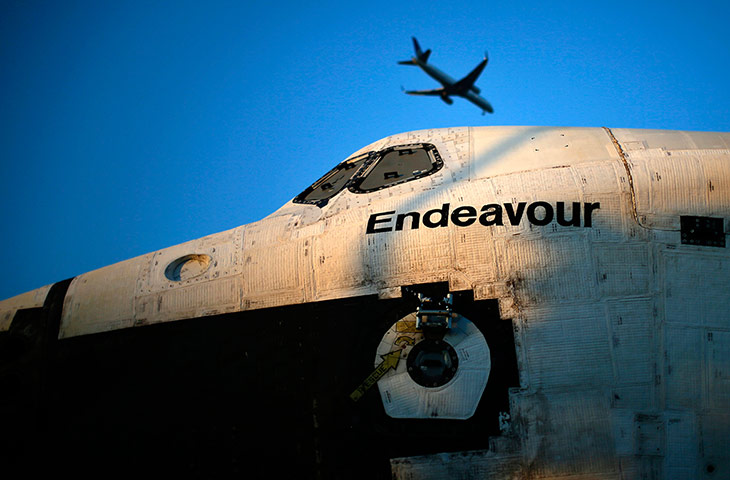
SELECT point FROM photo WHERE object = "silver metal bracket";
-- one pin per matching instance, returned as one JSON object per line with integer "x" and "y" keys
{"x": 432, "y": 314}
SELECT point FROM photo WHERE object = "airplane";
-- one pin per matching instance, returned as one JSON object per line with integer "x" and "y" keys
{"x": 474, "y": 302}
{"x": 464, "y": 88}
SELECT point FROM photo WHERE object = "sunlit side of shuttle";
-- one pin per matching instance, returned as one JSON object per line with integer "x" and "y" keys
{"x": 492, "y": 302}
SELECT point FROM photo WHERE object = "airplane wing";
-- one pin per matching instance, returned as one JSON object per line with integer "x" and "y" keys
{"x": 434, "y": 92}
{"x": 467, "y": 83}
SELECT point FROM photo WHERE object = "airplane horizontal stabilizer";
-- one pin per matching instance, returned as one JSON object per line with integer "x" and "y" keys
{"x": 434, "y": 92}
{"x": 422, "y": 57}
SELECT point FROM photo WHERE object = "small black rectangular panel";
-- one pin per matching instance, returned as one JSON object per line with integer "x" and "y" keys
{"x": 706, "y": 231}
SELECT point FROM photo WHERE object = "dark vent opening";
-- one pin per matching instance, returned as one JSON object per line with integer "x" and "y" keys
{"x": 704, "y": 231}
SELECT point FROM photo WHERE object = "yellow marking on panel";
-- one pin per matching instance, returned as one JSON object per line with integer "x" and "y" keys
{"x": 406, "y": 326}
{"x": 404, "y": 339}
{"x": 390, "y": 360}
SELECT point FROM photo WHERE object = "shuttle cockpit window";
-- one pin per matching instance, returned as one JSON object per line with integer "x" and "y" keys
{"x": 374, "y": 171}
{"x": 396, "y": 165}
{"x": 331, "y": 184}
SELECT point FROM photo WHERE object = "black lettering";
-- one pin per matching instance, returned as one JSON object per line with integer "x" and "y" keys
{"x": 374, "y": 220}
{"x": 574, "y": 221}
{"x": 464, "y": 216}
{"x": 515, "y": 217}
{"x": 442, "y": 222}
{"x": 548, "y": 213}
{"x": 491, "y": 214}
{"x": 588, "y": 210}
{"x": 415, "y": 216}
{"x": 491, "y": 210}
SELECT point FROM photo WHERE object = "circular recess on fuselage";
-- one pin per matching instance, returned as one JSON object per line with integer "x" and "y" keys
{"x": 432, "y": 363}
{"x": 459, "y": 394}
{"x": 187, "y": 267}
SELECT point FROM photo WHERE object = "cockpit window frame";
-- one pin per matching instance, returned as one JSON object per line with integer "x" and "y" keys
{"x": 321, "y": 202}
{"x": 369, "y": 161}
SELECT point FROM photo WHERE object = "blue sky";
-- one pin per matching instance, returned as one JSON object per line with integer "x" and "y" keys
{"x": 127, "y": 127}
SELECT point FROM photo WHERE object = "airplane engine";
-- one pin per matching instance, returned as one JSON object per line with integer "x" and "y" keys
{"x": 447, "y": 99}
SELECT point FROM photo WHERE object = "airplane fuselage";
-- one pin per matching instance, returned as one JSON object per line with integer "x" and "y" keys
{"x": 444, "y": 79}
{"x": 448, "y": 84}
{"x": 478, "y": 101}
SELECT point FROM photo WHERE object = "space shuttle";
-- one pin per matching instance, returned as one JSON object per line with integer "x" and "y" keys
{"x": 486, "y": 302}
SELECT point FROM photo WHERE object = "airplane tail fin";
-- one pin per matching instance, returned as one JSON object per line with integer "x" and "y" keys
{"x": 421, "y": 55}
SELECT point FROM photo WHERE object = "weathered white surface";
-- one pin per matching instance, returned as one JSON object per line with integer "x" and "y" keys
{"x": 622, "y": 332}
{"x": 677, "y": 172}
{"x": 32, "y": 299}
{"x": 113, "y": 289}
{"x": 457, "y": 466}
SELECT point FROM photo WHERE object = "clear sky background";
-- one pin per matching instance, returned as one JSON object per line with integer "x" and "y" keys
{"x": 126, "y": 127}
